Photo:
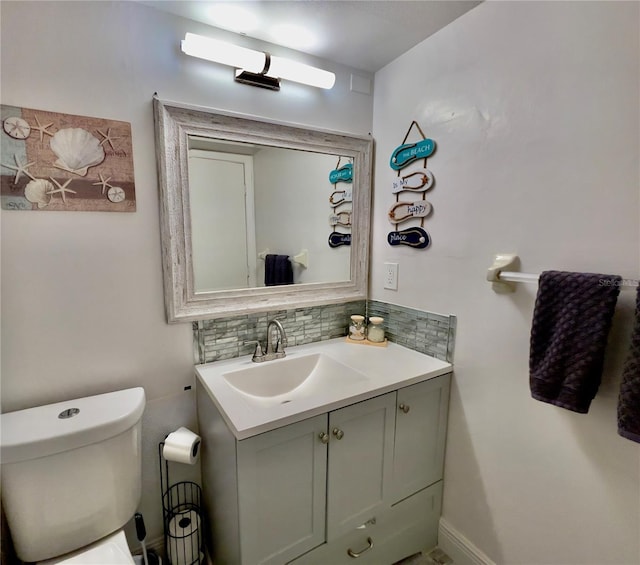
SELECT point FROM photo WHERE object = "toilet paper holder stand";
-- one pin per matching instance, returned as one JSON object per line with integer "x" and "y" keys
{"x": 183, "y": 519}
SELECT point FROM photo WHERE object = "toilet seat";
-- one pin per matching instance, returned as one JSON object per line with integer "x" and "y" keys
{"x": 112, "y": 550}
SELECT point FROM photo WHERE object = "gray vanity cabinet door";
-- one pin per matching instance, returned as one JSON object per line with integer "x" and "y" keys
{"x": 360, "y": 463}
{"x": 281, "y": 492}
{"x": 421, "y": 423}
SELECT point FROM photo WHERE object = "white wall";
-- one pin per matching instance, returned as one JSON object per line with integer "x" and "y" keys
{"x": 82, "y": 301}
{"x": 294, "y": 215}
{"x": 534, "y": 107}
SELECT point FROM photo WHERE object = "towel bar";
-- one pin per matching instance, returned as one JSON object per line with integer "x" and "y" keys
{"x": 514, "y": 276}
{"x": 503, "y": 281}
{"x": 301, "y": 258}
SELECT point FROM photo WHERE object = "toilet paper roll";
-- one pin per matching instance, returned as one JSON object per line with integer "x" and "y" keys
{"x": 183, "y": 539}
{"x": 182, "y": 446}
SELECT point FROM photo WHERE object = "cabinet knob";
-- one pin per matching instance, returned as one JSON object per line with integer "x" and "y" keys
{"x": 355, "y": 555}
{"x": 338, "y": 433}
{"x": 324, "y": 437}
{"x": 404, "y": 407}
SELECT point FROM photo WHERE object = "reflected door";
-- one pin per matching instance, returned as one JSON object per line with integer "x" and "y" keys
{"x": 222, "y": 220}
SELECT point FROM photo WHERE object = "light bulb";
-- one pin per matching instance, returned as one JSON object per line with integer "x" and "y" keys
{"x": 299, "y": 72}
{"x": 223, "y": 53}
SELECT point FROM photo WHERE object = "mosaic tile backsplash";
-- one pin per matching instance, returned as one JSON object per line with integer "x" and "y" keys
{"x": 433, "y": 334}
{"x": 426, "y": 332}
{"x": 227, "y": 337}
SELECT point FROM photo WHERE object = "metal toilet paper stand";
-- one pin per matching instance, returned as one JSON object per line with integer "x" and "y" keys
{"x": 183, "y": 520}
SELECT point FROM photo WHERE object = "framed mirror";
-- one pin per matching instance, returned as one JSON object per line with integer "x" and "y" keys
{"x": 249, "y": 220}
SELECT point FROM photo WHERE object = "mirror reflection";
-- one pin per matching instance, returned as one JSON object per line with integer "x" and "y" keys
{"x": 219, "y": 240}
{"x": 262, "y": 215}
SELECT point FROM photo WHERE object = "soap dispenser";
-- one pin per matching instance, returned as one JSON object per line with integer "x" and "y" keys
{"x": 376, "y": 329}
{"x": 357, "y": 328}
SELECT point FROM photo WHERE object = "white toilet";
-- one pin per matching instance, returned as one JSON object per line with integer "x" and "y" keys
{"x": 71, "y": 477}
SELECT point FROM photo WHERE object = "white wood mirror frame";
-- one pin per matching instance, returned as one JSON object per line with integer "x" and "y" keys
{"x": 174, "y": 124}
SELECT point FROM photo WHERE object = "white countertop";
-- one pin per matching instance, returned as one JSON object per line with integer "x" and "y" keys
{"x": 379, "y": 370}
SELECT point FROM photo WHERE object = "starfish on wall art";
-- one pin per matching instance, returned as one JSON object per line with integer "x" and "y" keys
{"x": 21, "y": 169}
{"x": 62, "y": 189}
{"x": 43, "y": 130}
{"x": 108, "y": 138}
{"x": 103, "y": 182}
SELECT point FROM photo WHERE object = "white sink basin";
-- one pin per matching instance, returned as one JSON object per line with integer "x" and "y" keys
{"x": 291, "y": 377}
{"x": 312, "y": 379}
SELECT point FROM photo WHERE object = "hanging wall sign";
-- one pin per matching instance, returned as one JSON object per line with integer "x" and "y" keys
{"x": 341, "y": 219}
{"x": 403, "y": 211}
{"x": 343, "y": 174}
{"x": 410, "y": 152}
{"x": 340, "y": 197}
{"x": 416, "y": 181}
{"x": 338, "y": 239}
{"x": 412, "y": 237}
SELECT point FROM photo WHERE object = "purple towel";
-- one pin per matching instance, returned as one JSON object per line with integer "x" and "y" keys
{"x": 277, "y": 270}
{"x": 571, "y": 321}
{"x": 629, "y": 400}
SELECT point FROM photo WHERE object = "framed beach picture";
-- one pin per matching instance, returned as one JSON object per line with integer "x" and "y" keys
{"x": 62, "y": 162}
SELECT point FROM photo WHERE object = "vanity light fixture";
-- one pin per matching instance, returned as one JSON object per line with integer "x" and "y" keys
{"x": 255, "y": 67}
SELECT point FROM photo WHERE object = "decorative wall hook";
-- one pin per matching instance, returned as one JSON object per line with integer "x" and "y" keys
{"x": 402, "y": 211}
{"x": 341, "y": 219}
{"x": 410, "y": 152}
{"x": 339, "y": 239}
{"x": 340, "y": 197}
{"x": 411, "y": 237}
{"x": 418, "y": 181}
{"x": 343, "y": 174}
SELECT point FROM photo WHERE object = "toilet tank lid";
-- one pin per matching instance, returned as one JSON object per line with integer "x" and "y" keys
{"x": 54, "y": 428}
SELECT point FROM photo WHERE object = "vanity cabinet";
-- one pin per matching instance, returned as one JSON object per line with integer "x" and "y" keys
{"x": 360, "y": 462}
{"x": 360, "y": 482}
{"x": 421, "y": 422}
{"x": 281, "y": 492}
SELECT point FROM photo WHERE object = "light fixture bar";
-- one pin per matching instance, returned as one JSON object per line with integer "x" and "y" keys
{"x": 256, "y": 68}
{"x": 257, "y": 79}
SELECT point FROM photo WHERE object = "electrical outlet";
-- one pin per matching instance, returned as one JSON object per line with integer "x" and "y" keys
{"x": 391, "y": 276}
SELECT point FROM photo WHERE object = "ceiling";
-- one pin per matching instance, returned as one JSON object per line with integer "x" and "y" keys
{"x": 364, "y": 34}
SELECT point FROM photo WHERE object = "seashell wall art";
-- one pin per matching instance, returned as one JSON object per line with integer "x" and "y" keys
{"x": 53, "y": 161}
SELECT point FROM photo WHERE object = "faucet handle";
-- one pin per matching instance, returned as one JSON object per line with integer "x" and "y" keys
{"x": 257, "y": 354}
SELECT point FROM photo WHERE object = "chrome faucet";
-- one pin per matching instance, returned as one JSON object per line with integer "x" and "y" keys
{"x": 259, "y": 356}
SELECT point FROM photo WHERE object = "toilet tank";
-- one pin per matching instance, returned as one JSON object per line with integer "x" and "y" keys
{"x": 71, "y": 471}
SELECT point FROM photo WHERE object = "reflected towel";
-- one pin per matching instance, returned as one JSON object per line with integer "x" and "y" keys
{"x": 277, "y": 270}
{"x": 629, "y": 400}
{"x": 571, "y": 321}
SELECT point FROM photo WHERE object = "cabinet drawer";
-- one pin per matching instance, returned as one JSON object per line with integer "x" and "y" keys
{"x": 402, "y": 530}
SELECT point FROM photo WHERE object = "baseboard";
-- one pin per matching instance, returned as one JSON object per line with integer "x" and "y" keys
{"x": 157, "y": 545}
{"x": 459, "y": 548}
